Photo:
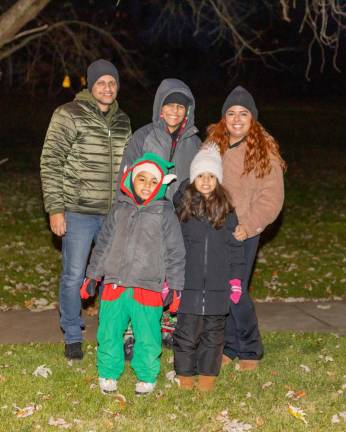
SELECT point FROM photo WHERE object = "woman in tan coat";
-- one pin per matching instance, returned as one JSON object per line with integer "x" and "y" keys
{"x": 253, "y": 176}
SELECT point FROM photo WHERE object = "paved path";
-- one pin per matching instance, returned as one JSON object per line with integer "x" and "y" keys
{"x": 25, "y": 326}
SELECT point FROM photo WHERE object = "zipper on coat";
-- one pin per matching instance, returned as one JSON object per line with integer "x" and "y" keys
{"x": 111, "y": 169}
{"x": 205, "y": 270}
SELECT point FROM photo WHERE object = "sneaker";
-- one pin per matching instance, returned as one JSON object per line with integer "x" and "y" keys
{"x": 144, "y": 387}
{"x": 73, "y": 351}
{"x": 108, "y": 386}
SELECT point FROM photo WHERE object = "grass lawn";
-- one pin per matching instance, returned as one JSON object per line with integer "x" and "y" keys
{"x": 306, "y": 371}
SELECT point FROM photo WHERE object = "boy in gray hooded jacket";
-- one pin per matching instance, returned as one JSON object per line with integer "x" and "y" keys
{"x": 139, "y": 247}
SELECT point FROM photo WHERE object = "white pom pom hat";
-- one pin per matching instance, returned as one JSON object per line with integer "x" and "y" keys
{"x": 208, "y": 159}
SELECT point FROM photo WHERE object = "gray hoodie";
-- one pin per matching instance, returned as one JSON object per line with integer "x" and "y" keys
{"x": 154, "y": 137}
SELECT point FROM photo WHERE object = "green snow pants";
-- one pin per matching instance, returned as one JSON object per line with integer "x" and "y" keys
{"x": 146, "y": 324}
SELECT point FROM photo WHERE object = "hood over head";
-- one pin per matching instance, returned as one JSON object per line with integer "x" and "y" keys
{"x": 167, "y": 87}
{"x": 154, "y": 164}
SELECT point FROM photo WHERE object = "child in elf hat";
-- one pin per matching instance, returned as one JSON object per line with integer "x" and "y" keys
{"x": 213, "y": 272}
{"x": 139, "y": 247}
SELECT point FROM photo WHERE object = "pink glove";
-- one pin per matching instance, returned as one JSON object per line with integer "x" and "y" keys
{"x": 164, "y": 292}
{"x": 236, "y": 290}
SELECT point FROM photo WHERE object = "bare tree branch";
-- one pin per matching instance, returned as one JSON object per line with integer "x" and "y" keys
{"x": 15, "y": 18}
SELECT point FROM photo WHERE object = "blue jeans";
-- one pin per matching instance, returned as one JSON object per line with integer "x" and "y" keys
{"x": 82, "y": 230}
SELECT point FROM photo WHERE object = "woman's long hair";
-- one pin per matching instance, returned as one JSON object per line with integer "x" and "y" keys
{"x": 260, "y": 147}
{"x": 214, "y": 209}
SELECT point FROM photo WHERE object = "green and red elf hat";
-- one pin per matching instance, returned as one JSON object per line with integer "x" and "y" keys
{"x": 156, "y": 165}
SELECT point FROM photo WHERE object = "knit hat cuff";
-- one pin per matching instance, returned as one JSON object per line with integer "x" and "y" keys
{"x": 208, "y": 159}
{"x": 148, "y": 167}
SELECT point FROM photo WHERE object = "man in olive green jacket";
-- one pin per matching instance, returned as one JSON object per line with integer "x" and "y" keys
{"x": 80, "y": 162}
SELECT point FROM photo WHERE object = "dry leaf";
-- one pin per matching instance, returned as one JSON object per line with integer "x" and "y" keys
{"x": 343, "y": 415}
{"x": 27, "y": 411}
{"x": 335, "y": 419}
{"x": 259, "y": 421}
{"x": 297, "y": 413}
{"x": 59, "y": 422}
{"x": 172, "y": 377}
{"x": 42, "y": 371}
{"x": 121, "y": 399}
{"x": 232, "y": 425}
{"x": 266, "y": 385}
{"x": 305, "y": 368}
{"x": 295, "y": 394}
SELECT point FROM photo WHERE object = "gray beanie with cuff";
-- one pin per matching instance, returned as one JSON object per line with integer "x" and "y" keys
{"x": 101, "y": 67}
{"x": 240, "y": 96}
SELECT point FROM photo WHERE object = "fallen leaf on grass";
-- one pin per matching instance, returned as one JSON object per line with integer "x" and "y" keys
{"x": 295, "y": 394}
{"x": 336, "y": 417}
{"x": 42, "y": 371}
{"x": 326, "y": 358}
{"x": 26, "y": 411}
{"x": 59, "y": 422}
{"x": 259, "y": 421}
{"x": 266, "y": 385}
{"x": 115, "y": 414}
{"x": 159, "y": 394}
{"x": 232, "y": 425}
{"x": 121, "y": 399}
{"x": 297, "y": 413}
{"x": 172, "y": 377}
{"x": 305, "y": 368}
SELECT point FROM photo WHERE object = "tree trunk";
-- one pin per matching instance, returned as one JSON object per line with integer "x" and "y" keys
{"x": 15, "y": 18}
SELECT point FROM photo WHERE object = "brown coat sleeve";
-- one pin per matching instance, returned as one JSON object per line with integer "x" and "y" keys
{"x": 267, "y": 202}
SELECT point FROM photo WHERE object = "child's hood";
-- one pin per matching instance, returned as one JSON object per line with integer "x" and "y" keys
{"x": 161, "y": 165}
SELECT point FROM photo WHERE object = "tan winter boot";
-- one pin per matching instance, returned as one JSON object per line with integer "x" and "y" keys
{"x": 206, "y": 383}
{"x": 186, "y": 382}
{"x": 245, "y": 365}
{"x": 225, "y": 360}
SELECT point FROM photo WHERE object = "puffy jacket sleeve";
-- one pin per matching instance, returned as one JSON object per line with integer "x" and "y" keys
{"x": 174, "y": 251}
{"x": 237, "y": 256}
{"x": 59, "y": 139}
{"x": 95, "y": 269}
{"x": 268, "y": 203}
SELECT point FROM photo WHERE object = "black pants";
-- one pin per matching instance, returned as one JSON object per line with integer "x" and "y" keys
{"x": 242, "y": 336}
{"x": 198, "y": 344}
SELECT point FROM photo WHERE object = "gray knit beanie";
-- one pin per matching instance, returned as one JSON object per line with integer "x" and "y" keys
{"x": 101, "y": 67}
{"x": 240, "y": 96}
{"x": 208, "y": 159}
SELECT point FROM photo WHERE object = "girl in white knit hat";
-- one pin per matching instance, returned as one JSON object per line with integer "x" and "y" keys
{"x": 213, "y": 272}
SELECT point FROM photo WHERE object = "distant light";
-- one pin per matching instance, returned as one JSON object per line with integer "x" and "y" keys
{"x": 67, "y": 82}
{"x": 83, "y": 81}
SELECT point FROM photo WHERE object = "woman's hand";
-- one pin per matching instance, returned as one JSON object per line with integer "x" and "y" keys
{"x": 240, "y": 233}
